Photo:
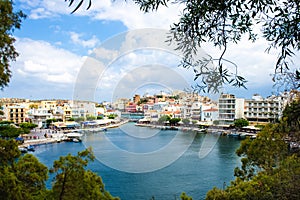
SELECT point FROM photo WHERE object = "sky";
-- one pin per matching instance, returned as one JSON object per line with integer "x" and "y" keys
{"x": 113, "y": 50}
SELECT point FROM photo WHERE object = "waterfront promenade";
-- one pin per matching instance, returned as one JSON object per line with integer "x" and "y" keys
{"x": 47, "y": 136}
{"x": 211, "y": 129}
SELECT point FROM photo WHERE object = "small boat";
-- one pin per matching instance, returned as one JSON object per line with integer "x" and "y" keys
{"x": 233, "y": 134}
{"x": 242, "y": 136}
{"x": 30, "y": 148}
{"x": 23, "y": 149}
{"x": 73, "y": 137}
{"x": 75, "y": 140}
{"x": 253, "y": 137}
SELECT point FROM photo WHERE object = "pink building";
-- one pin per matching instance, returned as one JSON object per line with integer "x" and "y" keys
{"x": 131, "y": 107}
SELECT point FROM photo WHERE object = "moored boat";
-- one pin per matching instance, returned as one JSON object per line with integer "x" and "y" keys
{"x": 23, "y": 149}
{"x": 30, "y": 148}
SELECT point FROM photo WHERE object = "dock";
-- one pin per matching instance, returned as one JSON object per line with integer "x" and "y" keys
{"x": 35, "y": 142}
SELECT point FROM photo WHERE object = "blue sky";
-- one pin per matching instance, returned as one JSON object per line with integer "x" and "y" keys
{"x": 54, "y": 45}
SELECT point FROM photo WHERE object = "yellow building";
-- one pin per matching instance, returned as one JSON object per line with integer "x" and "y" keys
{"x": 49, "y": 104}
{"x": 15, "y": 113}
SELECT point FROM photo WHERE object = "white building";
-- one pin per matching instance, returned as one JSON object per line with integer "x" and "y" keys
{"x": 82, "y": 108}
{"x": 39, "y": 116}
{"x": 196, "y": 110}
{"x": 226, "y": 108}
{"x": 259, "y": 109}
{"x": 239, "y": 108}
{"x": 210, "y": 114}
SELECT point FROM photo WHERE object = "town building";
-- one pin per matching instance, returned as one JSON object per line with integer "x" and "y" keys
{"x": 136, "y": 99}
{"x": 265, "y": 110}
{"x": 210, "y": 115}
{"x": 239, "y": 108}
{"x": 226, "y": 108}
{"x": 120, "y": 104}
{"x": 39, "y": 116}
{"x": 131, "y": 107}
{"x": 15, "y": 113}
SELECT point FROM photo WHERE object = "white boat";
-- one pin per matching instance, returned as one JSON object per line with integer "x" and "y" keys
{"x": 75, "y": 140}
{"x": 74, "y": 136}
{"x": 23, "y": 149}
{"x": 30, "y": 148}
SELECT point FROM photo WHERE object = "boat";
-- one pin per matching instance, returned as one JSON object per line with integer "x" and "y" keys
{"x": 242, "y": 136}
{"x": 73, "y": 137}
{"x": 23, "y": 149}
{"x": 237, "y": 135}
{"x": 234, "y": 134}
{"x": 75, "y": 140}
{"x": 253, "y": 137}
{"x": 30, "y": 148}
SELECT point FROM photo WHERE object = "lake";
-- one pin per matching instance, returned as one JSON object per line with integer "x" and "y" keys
{"x": 141, "y": 163}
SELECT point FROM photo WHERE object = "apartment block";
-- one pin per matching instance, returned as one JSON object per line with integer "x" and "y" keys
{"x": 39, "y": 116}
{"x": 15, "y": 113}
{"x": 226, "y": 108}
{"x": 259, "y": 109}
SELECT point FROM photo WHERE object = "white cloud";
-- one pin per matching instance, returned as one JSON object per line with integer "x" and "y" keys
{"x": 29, "y": 3}
{"x": 132, "y": 17}
{"x": 40, "y": 13}
{"x": 42, "y": 61}
{"x": 45, "y": 9}
{"x": 60, "y": 78}
{"x": 32, "y": 67}
{"x": 77, "y": 39}
{"x": 107, "y": 54}
{"x": 253, "y": 63}
{"x": 126, "y": 12}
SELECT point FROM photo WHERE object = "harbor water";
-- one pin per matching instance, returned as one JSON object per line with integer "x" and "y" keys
{"x": 208, "y": 161}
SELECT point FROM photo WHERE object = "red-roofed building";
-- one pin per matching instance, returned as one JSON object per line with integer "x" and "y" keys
{"x": 210, "y": 114}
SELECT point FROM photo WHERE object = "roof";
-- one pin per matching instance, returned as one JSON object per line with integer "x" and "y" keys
{"x": 211, "y": 110}
{"x": 73, "y": 134}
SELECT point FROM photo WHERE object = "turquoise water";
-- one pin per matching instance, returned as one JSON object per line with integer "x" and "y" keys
{"x": 188, "y": 173}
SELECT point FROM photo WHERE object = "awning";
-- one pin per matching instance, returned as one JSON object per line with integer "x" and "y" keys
{"x": 19, "y": 139}
{"x": 72, "y": 124}
{"x": 73, "y": 134}
{"x": 60, "y": 124}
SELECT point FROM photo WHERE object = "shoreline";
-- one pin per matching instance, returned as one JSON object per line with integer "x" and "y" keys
{"x": 215, "y": 130}
{"x": 163, "y": 127}
{"x": 57, "y": 137}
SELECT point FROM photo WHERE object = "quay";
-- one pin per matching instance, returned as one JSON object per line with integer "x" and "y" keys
{"x": 242, "y": 134}
{"x": 48, "y": 136}
{"x": 36, "y": 142}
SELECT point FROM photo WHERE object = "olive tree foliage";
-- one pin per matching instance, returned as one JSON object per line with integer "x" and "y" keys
{"x": 223, "y": 22}
{"x": 21, "y": 176}
{"x": 74, "y": 181}
{"x": 227, "y": 21}
{"x": 9, "y": 21}
{"x": 71, "y": 2}
{"x": 239, "y": 123}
